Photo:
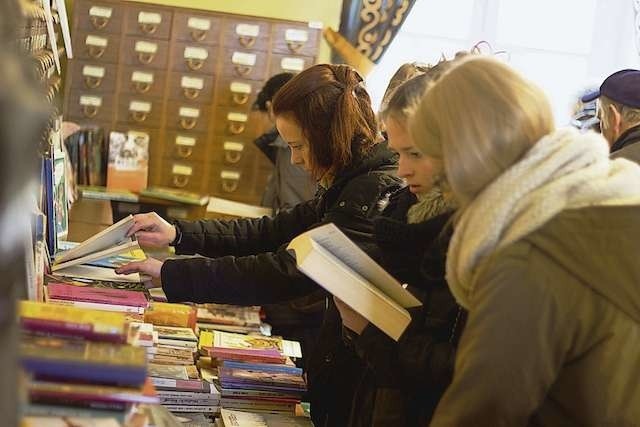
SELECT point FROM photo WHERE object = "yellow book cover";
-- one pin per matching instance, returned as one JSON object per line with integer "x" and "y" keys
{"x": 170, "y": 314}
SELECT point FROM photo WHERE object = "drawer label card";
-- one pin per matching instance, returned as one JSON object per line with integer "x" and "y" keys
{"x": 247, "y": 30}
{"x": 91, "y": 71}
{"x": 230, "y": 175}
{"x": 242, "y": 58}
{"x": 96, "y": 41}
{"x": 91, "y": 101}
{"x": 142, "y": 77}
{"x": 191, "y": 52}
{"x": 233, "y": 146}
{"x": 239, "y": 87}
{"x": 143, "y": 107}
{"x": 317, "y": 25}
{"x": 192, "y": 113}
{"x": 296, "y": 35}
{"x": 185, "y": 140}
{"x": 100, "y": 12}
{"x": 292, "y": 64}
{"x": 192, "y": 83}
{"x": 201, "y": 24}
{"x": 146, "y": 47}
{"x": 149, "y": 18}
{"x": 237, "y": 117}
{"x": 181, "y": 170}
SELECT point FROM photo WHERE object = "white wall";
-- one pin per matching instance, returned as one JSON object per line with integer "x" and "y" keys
{"x": 562, "y": 45}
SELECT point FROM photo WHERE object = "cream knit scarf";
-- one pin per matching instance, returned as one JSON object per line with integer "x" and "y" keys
{"x": 564, "y": 170}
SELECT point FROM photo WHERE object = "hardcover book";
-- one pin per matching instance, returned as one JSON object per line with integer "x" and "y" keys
{"x": 63, "y": 291}
{"x": 175, "y": 195}
{"x": 128, "y": 161}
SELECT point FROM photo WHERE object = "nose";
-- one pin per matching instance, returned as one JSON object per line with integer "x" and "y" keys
{"x": 404, "y": 169}
{"x": 296, "y": 159}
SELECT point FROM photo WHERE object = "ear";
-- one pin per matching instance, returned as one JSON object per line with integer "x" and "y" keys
{"x": 269, "y": 106}
{"x": 615, "y": 118}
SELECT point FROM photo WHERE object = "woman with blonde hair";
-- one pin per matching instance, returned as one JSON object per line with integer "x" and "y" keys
{"x": 542, "y": 255}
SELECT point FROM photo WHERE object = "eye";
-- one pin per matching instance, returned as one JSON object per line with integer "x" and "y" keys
{"x": 415, "y": 154}
{"x": 296, "y": 147}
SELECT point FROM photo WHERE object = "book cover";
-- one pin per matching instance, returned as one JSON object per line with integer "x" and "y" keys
{"x": 128, "y": 161}
{"x": 68, "y": 392}
{"x": 60, "y": 197}
{"x": 170, "y": 314}
{"x": 63, "y": 291}
{"x": 102, "y": 193}
{"x": 225, "y": 314}
{"x": 337, "y": 264}
{"x": 229, "y": 340}
{"x": 233, "y": 418}
{"x": 259, "y": 377}
{"x": 102, "y": 256}
{"x": 176, "y": 333}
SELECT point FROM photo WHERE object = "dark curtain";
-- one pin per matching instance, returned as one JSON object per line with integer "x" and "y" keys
{"x": 371, "y": 25}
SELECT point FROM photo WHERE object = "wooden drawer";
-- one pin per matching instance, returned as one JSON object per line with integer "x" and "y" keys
{"x": 143, "y": 81}
{"x": 237, "y": 93}
{"x": 233, "y": 152}
{"x": 233, "y": 122}
{"x": 294, "y": 39}
{"x": 189, "y": 117}
{"x": 90, "y": 107}
{"x": 244, "y": 64}
{"x": 191, "y": 88}
{"x": 289, "y": 63}
{"x": 147, "y": 53}
{"x": 103, "y": 17}
{"x": 185, "y": 175}
{"x": 93, "y": 76}
{"x": 186, "y": 146}
{"x": 196, "y": 28}
{"x": 194, "y": 58}
{"x": 96, "y": 47}
{"x": 148, "y": 21}
{"x": 154, "y": 137}
{"x": 139, "y": 111}
{"x": 243, "y": 34}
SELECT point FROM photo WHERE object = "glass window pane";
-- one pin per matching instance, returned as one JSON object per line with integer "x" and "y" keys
{"x": 565, "y": 25}
{"x": 441, "y": 18}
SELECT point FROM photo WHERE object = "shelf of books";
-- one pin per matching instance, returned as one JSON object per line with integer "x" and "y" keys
{"x": 99, "y": 349}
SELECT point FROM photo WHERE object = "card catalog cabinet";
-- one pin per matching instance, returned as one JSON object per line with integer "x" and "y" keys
{"x": 188, "y": 79}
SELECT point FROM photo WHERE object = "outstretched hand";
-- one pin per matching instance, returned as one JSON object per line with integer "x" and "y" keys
{"x": 152, "y": 231}
{"x": 150, "y": 267}
{"x": 350, "y": 318}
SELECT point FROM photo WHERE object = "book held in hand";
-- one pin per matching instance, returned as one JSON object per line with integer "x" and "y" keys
{"x": 337, "y": 264}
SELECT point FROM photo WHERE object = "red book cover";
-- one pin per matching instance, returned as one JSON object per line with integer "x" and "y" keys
{"x": 62, "y": 291}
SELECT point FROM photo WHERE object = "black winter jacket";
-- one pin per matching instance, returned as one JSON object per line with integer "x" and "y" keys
{"x": 402, "y": 382}
{"x": 249, "y": 265}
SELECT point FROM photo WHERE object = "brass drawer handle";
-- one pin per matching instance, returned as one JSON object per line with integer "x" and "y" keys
{"x": 184, "y": 151}
{"x": 190, "y": 93}
{"x": 195, "y": 64}
{"x": 148, "y": 28}
{"x": 90, "y": 111}
{"x": 236, "y": 128}
{"x": 139, "y": 116}
{"x": 99, "y": 22}
{"x": 146, "y": 58}
{"x": 240, "y": 98}
{"x": 232, "y": 157}
{"x": 92, "y": 82}
{"x": 198, "y": 35}
{"x": 243, "y": 70}
{"x": 247, "y": 41}
{"x": 141, "y": 87}
{"x": 188, "y": 123}
{"x": 180, "y": 181}
{"x": 230, "y": 186}
{"x": 295, "y": 47}
{"x": 96, "y": 52}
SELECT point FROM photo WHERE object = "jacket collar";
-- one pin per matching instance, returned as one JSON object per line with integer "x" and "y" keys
{"x": 628, "y": 137}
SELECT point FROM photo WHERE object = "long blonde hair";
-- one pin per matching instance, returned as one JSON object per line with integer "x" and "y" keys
{"x": 480, "y": 117}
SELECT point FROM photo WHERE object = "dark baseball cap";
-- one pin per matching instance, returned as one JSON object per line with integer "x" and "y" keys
{"x": 622, "y": 86}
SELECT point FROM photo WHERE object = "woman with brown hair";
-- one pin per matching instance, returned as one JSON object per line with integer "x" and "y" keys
{"x": 325, "y": 115}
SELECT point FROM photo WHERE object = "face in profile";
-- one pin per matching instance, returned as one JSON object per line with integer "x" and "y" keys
{"x": 292, "y": 134}
{"x": 416, "y": 169}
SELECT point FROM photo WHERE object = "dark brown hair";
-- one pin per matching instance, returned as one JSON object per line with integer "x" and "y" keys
{"x": 331, "y": 105}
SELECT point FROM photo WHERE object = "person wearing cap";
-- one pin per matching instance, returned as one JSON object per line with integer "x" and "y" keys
{"x": 619, "y": 112}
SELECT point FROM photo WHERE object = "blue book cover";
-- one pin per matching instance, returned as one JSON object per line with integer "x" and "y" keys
{"x": 264, "y": 367}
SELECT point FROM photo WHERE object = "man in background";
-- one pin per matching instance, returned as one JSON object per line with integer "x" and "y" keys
{"x": 288, "y": 184}
{"x": 619, "y": 112}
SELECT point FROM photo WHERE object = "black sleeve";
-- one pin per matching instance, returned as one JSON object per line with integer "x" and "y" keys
{"x": 264, "y": 144}
{"x": 246, "y": 236}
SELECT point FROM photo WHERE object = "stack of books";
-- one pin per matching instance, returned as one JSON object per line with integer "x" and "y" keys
{"x": 255, "y": 373}
{"x": 229, "y": 318}
{"x": 79, "y": 364}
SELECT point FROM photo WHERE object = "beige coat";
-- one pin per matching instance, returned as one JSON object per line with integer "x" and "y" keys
{"x": 553, "y": 334}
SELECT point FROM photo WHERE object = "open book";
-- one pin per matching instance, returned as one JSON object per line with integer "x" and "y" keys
{"x": 100, "y": 250}
{"x": 337, "y": 264}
